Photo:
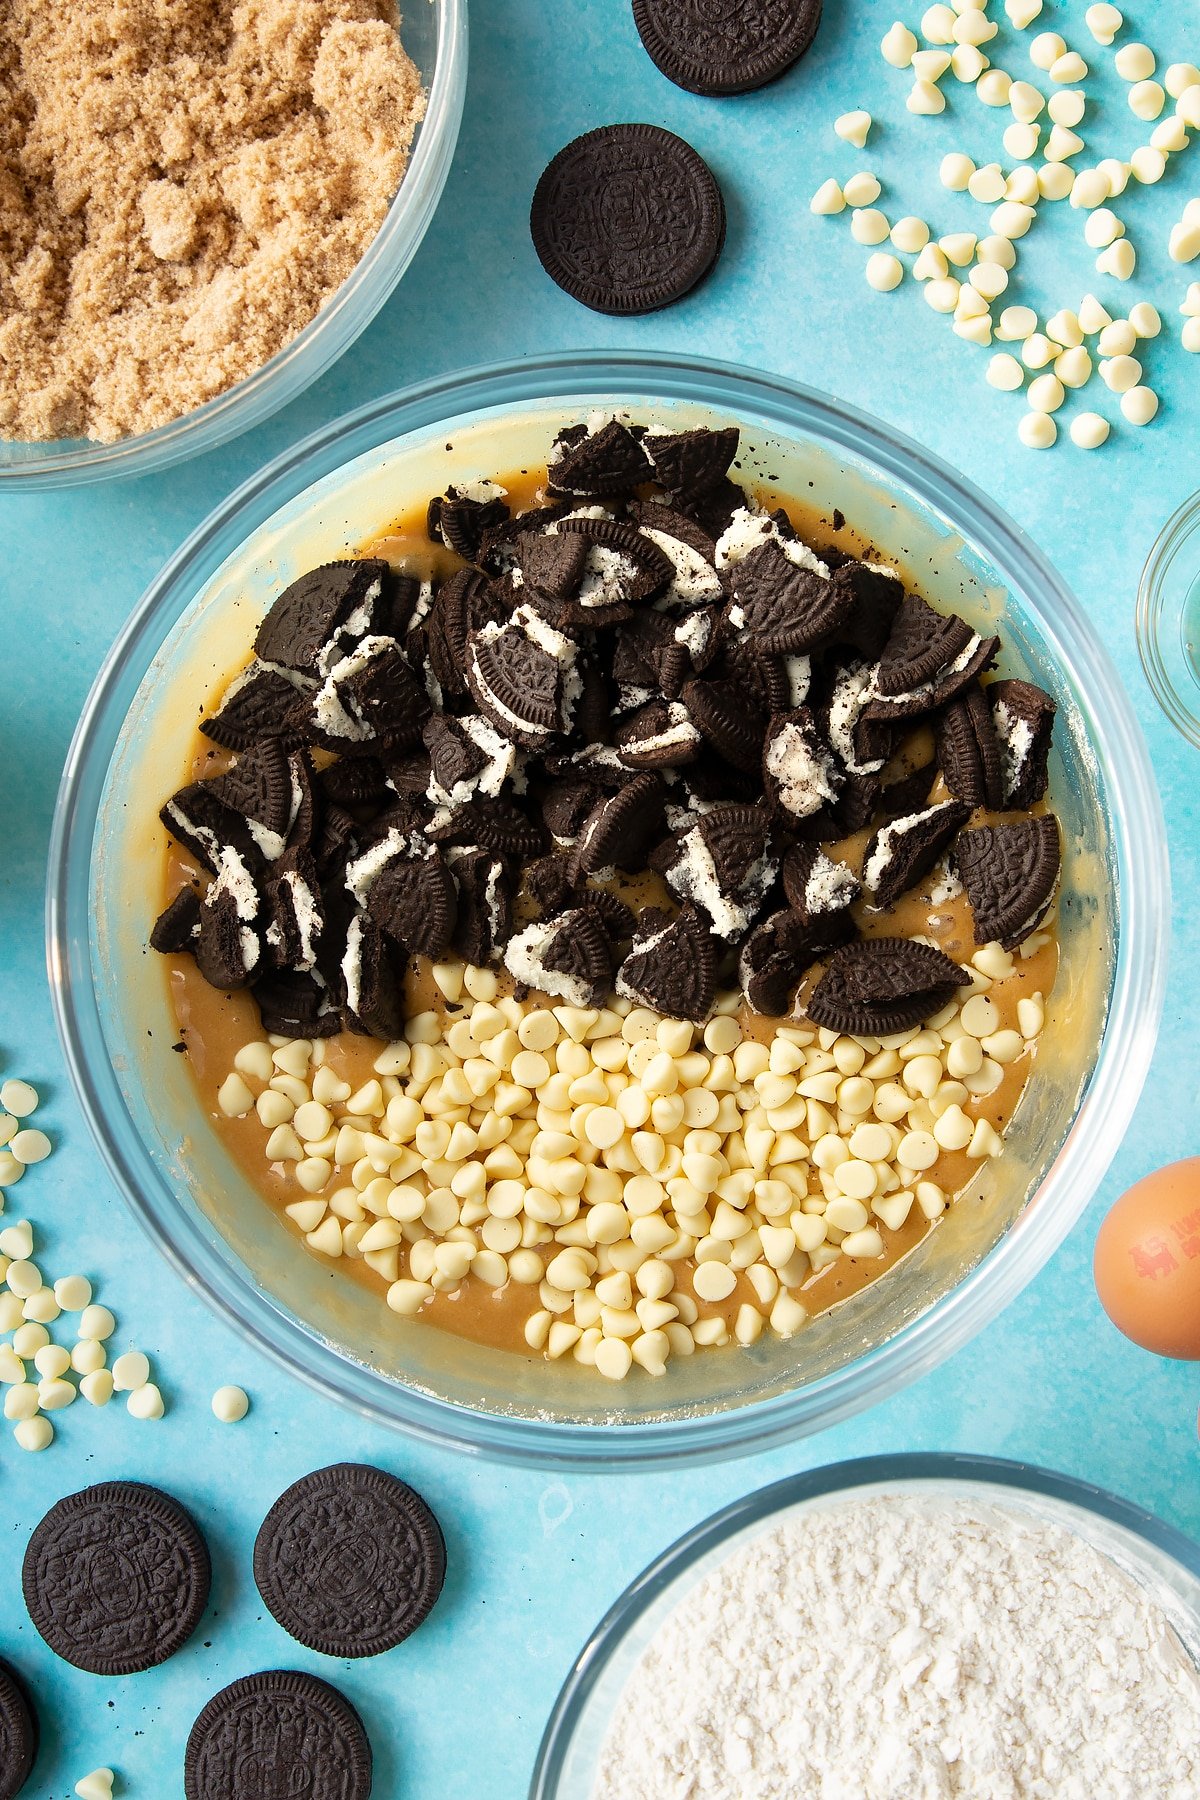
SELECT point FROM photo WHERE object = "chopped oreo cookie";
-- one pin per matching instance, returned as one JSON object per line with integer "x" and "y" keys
{"x": 879, "y": 986}
{"x": 1024, "y": 719}
{"x": 904, "y": 850}
{"x": 645, "y": 672}
{"x": 671, "y": 966}
{"x": 1010, "y": 873}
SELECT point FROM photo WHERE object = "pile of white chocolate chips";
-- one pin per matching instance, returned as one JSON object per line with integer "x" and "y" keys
{"x": 625, "y": 1168}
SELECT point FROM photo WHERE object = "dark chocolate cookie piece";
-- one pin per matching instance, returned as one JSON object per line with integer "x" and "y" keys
{"x": 908, "y": 793}
{"x": 116, "y": 1578}
{"x": 297, "y": 1004}
{"x": 876, "y": 594}
{"x": 178, "y": 926}
{"x": 1024, "y": 720}
{"x": 772, "y": 963}
{"x": 821, "y": 892}
{"x": 496, "y": 825}
{"x": 308, "y": 613}
{"x": 18, "y": 1733}
{"x": 464, "y": 603}
{"x": 228, "y": 947}
{"x": 627, "y": 219}
{"x": 883, "y": 985}
{"x": 483, "y": 917}
{"x": 730, "y": 48}
{"x": 671, "y": 966}
{"x": 259, "y": 787}
{"x": 567, "y": 956}
{"x": 621, "y": 827}
{"x": 356, "y": 781}
{"x": 518, "y": 673}
{"x": 783, "y": 607}
{"x": 296, "y": 913}
{"x": 968, "y": 750}
{"x": 350, "y": 1560}
{"x": 372, "y": 972}
{"x": 414, "y": 901}
{"x": 197, "y": 818}
{"x": 921, "y": 645}
{"x": 732, "y": 723}
{"x": 281, "y": 1732}
{"x": 259, "y": 703}
{"x": 460, "y": 520}
{"x": 659, "y": 735}
{"x": 692, "y": 462}
{"x": 597, "y": 464}
{"x": 370, "y": 700}
{"x": 1010, "y": 873}
{"x": 800, "y": 772}
{"x": 901, "y": 852}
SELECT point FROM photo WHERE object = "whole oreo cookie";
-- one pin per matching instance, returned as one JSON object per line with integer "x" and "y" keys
{"x": 727, "y": 48}
{"x": 116, "y": 1578}
{"x": 18, "y": 1734}
{"x": 627, "y": 219}
{"x": 281, "y": 1732}
{"x": 349, "y": 1560}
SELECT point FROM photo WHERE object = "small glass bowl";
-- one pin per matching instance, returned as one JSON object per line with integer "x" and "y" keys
{"x": 1164, "y": 1562}
{"x": 1168, "y": 619}
{"x": 194, "y": 627}
{"x": 434, "y": 34}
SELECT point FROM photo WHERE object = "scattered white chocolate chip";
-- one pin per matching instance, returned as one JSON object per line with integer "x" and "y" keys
{"x": 1045, "y": 49}
{"x": 18, "y": 1098}
{"x": 1045, "y": 393}
{"x": 1190, "y": 307}
{"x": 1021, "y": 141}
{"x": 1023, "y": 186}
{"x": 1147, "y": 165}
{"x": 1037, "y": 431}
{"x": 1147, "y": 99}
{"x": 1067, "y": 106}
{"x": 959, "y": 247}
{"x": 1093, "y": 315}
{"x": 1055, "y": 180}
{"x": 145, "y": 1402}
{"x": 1074, "y": 367}
{"x": 98, "y": 1785}
{"x": 1011, "y": 219}
{"x": 987, "y": 184}
{"x": 1184, "y": 245}
{"x": 884, "y": 272}
{"x": 1139, "y": 405}
{"x": 828, "y": 198}
{"x": 1119, "y": 260}
{"x": 1005, "y": 372}
{"x": 34, "y": 1434}
{"x": 931, "y": 264}
{"x": 1026, "y": 101}
{"x": 1102, "y": 228}
{"x": 1037, "y": 350}
{"x": 1068, "y": 68}
{"x": 1090, "y": 188}
{"x": 1188, "y": 106}
{"x": 868, "y": 225}
{"x": 994, "y": 87}
{"x": 131, "y": 1370}
{"x": 230, "y": 1404}
{"x": 942, "y": 295}
{"x": 1190, "y": 335}
{"x": 924, "y": 98}
{"x": 967, "y": 63}
{"x": 995, "y": 249}
{"x": 930, "y": 65}
{"x": 1022, "y": 13}
{"x": 956, "y": 172}
{"x": 1103, "y": 22}
{"x": 1120, "y": 373}
{"x": 854, "y": 127}
{"x": 989, "y": 279}
{"x": 1065, "y": 329}
{"x": 1016, "y": 324}
{"x": 910, "y": 234}
{"x": 1118, "y": 338}
{"x": 29, "y": 1146}
{"x": 899, "y": 46}
{"x": 1134, "y": 62}
{"x": 1170, "y": 135}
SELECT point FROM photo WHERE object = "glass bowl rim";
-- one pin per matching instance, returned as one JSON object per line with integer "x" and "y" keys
{"x": 1152, "y": 621}
{"x": 1139, "y": 846}
{"x": 326, "y": 337}
{"x": 951, "y": 1468}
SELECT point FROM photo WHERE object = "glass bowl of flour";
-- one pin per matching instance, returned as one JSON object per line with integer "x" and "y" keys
{"x": 899, "y": 1628}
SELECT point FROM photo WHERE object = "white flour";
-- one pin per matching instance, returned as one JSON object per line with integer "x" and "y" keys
{"x": 910, "y": 1649}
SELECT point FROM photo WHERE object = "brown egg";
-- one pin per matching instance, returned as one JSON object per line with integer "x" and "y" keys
{"x": 1147, "y": 1262}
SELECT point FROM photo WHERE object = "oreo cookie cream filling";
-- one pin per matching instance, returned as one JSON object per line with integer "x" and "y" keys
{"x": 614, "y": 915}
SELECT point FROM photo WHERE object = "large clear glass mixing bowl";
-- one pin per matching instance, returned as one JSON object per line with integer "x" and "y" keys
{"x": 194, "y": 627}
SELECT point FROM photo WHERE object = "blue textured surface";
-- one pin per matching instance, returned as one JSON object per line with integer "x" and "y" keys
{"x": 534, "y": 1559}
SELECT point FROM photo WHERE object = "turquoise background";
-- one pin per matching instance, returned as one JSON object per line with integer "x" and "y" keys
{"x": 535, "y": 1559}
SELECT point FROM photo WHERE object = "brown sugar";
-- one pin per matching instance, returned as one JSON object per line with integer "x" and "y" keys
{"x": 183, "y": 184}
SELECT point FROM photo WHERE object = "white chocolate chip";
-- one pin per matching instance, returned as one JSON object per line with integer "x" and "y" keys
{"x": 1185, "y": 242}
{"x": 1103, "y": 22}
{"x": 828, "y": 198}
{"x": 930, "y": 65}
{"x": 1068, "y": 68}
{"x": 1119, "y": 260}
{"x": 868, "y": 225}
{"x": 884, "y": 272}
{"x": 994, "y": 87}
{"x": 861, "y": 189}
{"x": 1037, "y": 351}
{"x": 1065, "y": 329}
{"x": 1026, "y": 102}
{"x": 899, "y": 46}
{"x": 1011, "y": 219}
{"x": 942, "y": 295}
{"x": 1066, "y": 107}
{"x": 230, "y": 1404}
{"x": 1134, "y": 62}
{"x": 931, "y": 264}
{"x": 1093, "y": 316}
{"x": 1139, "y": 405}
{"x": 1190, "y": 335}
{"x": 956, "y": 171}
{"x": 910, "y": 234}
{"x": 1016, "y": 324}
{"x": 1021, "y": 141}
{"x": 1037, "y": 431}
{"x": 1147, "y": 99}
{"x": 1074, "y": 367}
{"x": 34, "y": 1434}
{"x": 1055, "y": 180}
{"x": 924, "y": 98}
{"x": 854, "y": 127}
{"x": 1022, "y": 13}
{"x": 1147, "y": 165}
{"x": 1090, "y": 188}
{"x": 1045, "y": 49}
{"x": 18, "y": 1098}
{"x": 1062, "y": 143}
{"x": 1005, "y": 372}
{"x": 98, "y": 1785}
{"x": 1045, "y": 394}
{"x": 1102, "y": 228}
